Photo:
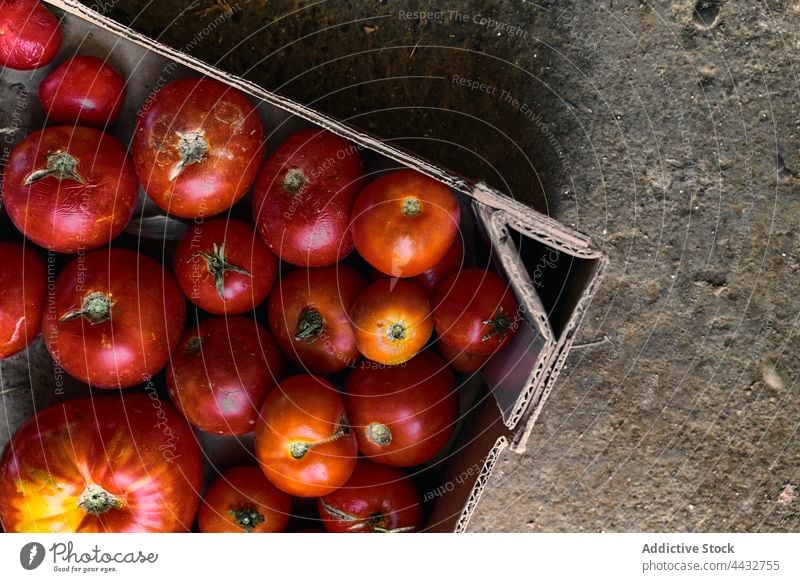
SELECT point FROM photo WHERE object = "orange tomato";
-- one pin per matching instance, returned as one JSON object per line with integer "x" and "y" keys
{"x": 303, "y": 442}
{"x": 242, "y": 500}
{"x": 404, "y": 223}
{"x": 392, "y": 321}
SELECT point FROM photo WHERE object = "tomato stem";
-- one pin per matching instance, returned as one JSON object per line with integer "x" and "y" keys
{"x": 60, "y": 165}
{"x": 193, "y": 346}
{"x": 247, "y": 518}
{"x": 396, "y": 332}
{"x": 412, "y": 206}
{"x": 376, "y": 523}
{"x": 294, "y": 181}
{"x": 299, "y": 449}
{"x": 96, "y": 500}
{"x": 378, "y": 434}
{"x": 310, "y": 325}
{"x": 96, "y": 308}
{"x": 192, "y": 147}
{"x": 217, "y": 266}
{"x": 500, "y": 325}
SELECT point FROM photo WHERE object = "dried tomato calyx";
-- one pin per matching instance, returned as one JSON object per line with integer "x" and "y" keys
{"x": 412, "y": 206}
{"x": 376, "y": 523}
{"x": 378, "y": 434}
{"x": 218, "y": 265}
{"x": 96, "y": 308}
{"x": 60, "y": 165}
{"x": 298, "y": 449}
{"x": 247, "y": 518}
{"x": 192, "y": 148}
{"x": 396, "y": 332}
{"x": 310, "y": 325}
{"x": 294, "y": 181}
{"x": 500, "y": 325}
{"x": 95, "y": 500}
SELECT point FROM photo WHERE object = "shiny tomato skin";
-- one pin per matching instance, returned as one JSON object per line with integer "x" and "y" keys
{"x": 248, "y": 268}
{"x": 430, "y": 280}
{"x": 147, "y": 317}
{"x": 309, "y": 316}
{"x": 83, "y": 90}
{"x": 460, "y": 360}
{"x": 465, "y": 302}
{"x": 30, "y": 36}
{"x": 23, "y": 284}
{"x": 70, "y": 212}
{"x": 132, "y": 445}
{"x": 303, "y": 197}
{"x": 242, "y": 500}
{"x": 377, "y": 498}
{"x": 392, "y": 321}
{"x": 305, "y": 415}
{"x": 220, "y": 373}
{"x": 404, "y": 223}
{"x": 221, "y": 133}
{"x": 402, "y": 415}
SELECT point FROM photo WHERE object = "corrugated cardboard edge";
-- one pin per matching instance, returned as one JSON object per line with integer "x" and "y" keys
{"x": 480, "y": 485}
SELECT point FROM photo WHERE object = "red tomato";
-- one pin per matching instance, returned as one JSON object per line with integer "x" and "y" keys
{"x": 303, "y": 196}
{"x": 376, "y": 499}
{"x": 404, "y": 223}
{"x": 124, "y": 462}
{"x": 476, "y": 312}
{"x": 309, "y": 315}
{"x": 392, "y": 321}
{"x": 223, "y": 267}
{"x": 197, "y": 147}
{"x": 460, "y": 360}
{"x": 242, "y": 500}
{"x": 221, "y": 372}
{"x": 402, "y": 415}
{"x": 303, "y": 442}
{"x": 114, "y": 318}
{"x": 23, "y": 283}
{"x": 29, "y": 35}
{"x": 83, "y": 90}
{"x": 70, "y": 189}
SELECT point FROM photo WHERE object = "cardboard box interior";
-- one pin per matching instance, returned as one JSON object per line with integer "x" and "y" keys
{"x": 553, "y": 270}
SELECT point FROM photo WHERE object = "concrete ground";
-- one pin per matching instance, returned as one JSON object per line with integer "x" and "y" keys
{"x": 668, "y": 130}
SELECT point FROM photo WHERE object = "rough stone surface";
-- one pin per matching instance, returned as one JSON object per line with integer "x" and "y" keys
{"x": 668, "y": 135}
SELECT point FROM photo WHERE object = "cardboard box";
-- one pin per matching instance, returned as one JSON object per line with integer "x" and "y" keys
{"x": 553, "y": 270}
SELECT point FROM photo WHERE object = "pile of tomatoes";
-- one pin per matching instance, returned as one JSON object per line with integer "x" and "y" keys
{"x": 330, "y": 324}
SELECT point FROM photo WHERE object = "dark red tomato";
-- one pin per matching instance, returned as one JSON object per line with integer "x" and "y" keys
{"x": 404, "y": 223}
{"x": 460, "y": 360}
{"x": 221, "y": 372}
{"x": 303, "y": 442}
{"x": 376, "y": 499}
{"x": 476, "y": 312}
{"x": 197, "y": 147}
{"x": 114, "y": 318}
{"x": 124, "y": 462}
{"x": 309, "y": 315}
{"x": 402, "y": 415}
{"x": 392, "y": 321}
{"x": 23, "y": 284}
{"x": 29, "y": 35}
{"x": 224, "y": 267}
{"x": 242, "y": 500}
{"x": 83, "y": 90}
{"x": 70, "y": 189}
{"x": 430, "y": 280}
{"x": 303, "y": 197}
